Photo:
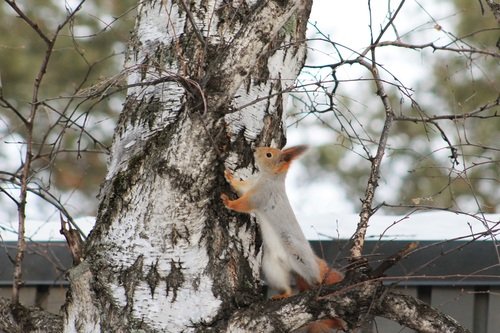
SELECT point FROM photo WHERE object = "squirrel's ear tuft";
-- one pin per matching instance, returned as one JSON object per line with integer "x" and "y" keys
{"x": 292, "y": 153}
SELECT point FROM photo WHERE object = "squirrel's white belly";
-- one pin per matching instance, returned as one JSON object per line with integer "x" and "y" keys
{"x": 275, "y": 263}
{"x": 286, "y": 250}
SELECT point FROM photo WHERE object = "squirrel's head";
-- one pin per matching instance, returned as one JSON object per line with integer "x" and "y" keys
{"x": 276, "y": 161}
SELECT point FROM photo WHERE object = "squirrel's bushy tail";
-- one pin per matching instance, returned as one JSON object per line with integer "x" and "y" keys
{"x": 328, "y": 276}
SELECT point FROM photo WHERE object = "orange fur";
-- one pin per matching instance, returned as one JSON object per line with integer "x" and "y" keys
{"x": 242, "y": 204}
{"x": 326, "y": 325}
{"x": 237, "y": 184}
{"x": 281, "y": 296}
{"x": 278, "y": 161}
{"x": 328, "y": 276}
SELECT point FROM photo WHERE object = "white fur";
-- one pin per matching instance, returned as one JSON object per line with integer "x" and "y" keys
{"x": 285, "y": 246}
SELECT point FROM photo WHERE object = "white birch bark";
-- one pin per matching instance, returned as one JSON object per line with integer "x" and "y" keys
{"x": 165, "y": 255}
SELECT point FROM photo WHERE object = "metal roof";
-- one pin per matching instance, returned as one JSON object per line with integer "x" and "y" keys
{"x": 449, "y": 263}
{"x": 444, "y": 263}
{"x": 44, "y": 263}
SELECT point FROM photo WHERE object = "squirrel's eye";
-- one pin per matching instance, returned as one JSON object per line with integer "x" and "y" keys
{"x": 269, "y": 155}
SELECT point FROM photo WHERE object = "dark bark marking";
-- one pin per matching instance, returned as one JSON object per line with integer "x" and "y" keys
{"x": 165, "y": 55}
{"x": 272, "y": 122}
{"x": 177, "y": 178}
{"x": 128, "y": 114}
{"x": 115, "y": 192}
{"x": 129, "y": 278}
{"x": 176, "y": 235}
{"x": 234, "y": 266}
{"x": 196, "y": 283}
{"x": 143, "y": 69}
{"x": 282, "y": 3}
{"x": 148, "y": 110}
{"x": 153, "y": 277}
{"x": 175, "y": 279}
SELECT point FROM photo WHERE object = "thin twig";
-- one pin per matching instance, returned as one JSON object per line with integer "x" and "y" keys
{"x": 472, "y": 114}
{"x": 439, "y": 48}
{"x": 193, "y": 23}
{"x": 31, "y": 23}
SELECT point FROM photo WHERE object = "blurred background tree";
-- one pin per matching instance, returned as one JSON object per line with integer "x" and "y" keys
{"x": 445, "y": 163}
{"x": 73, "y": 129}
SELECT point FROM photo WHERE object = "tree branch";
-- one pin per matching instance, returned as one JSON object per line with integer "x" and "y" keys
{"x": 193, "y": 22}
{"x": 31, "y": 23}
{"x": 417, "y": 315}
{"x": 17, "y": 318}
{"x": 376, "y": 161}
{"x": 394, "y": 259}
{"x": 354, "y": 304}
{"x": 472, "y": 114}
{"x": 439, "y": 48}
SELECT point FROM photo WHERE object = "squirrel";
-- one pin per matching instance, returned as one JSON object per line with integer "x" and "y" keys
{"x": 286, "y": 250}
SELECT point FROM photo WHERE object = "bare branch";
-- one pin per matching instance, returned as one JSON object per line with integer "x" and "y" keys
{"x": 394, "y": 259}
{"x": 466, "y": 115}
{"x": 75, "y": 242}
{"x": 439, "y": 48}
{"x": 31, "y": 23}
{"x": 389, "y": 24}
{"x": 7, "y": 105}
{"x": 417, "y": 315}
{"x": 193, "y": 22}
{"x": 28, "y": 158}
{"x": 367, "y": 202}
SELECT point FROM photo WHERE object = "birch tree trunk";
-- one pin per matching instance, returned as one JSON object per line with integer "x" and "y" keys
{"x": 165, "y": 255}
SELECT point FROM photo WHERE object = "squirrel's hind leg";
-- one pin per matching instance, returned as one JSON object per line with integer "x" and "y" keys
{"x": 282, "y": 295}
{"x": 277, "y": 276}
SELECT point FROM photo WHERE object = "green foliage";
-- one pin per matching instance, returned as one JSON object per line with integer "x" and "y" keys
{"x": 72, "y": 129}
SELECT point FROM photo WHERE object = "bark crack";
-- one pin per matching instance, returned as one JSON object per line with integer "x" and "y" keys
{"x": 175, "y": 279}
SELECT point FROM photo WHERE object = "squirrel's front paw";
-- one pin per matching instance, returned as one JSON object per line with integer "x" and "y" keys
{"x": 228, "y": 175}
{"x": 225, "y": 199}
